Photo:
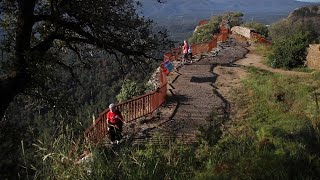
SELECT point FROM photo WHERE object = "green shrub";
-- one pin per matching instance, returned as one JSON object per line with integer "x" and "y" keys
{"x": 205, "y": 32}
{"x": 289, "y": 52}
{"x": 290, "y": 40}
{"x": 129, "y": 90}
{"x": 259, "y": 27}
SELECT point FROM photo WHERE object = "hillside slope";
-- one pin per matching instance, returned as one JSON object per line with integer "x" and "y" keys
{"x": 307, "y": 14}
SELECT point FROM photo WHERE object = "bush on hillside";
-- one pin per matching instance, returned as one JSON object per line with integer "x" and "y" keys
{"x": 259, "y": 27}
{"x": 289, "y": 51}
{"x": 284, "y": 28}
{"x": 205, "y": 32}
{"x": 129, "y": 90}
{"x": 233, "y": 18}
{"x": 290, "y": 40}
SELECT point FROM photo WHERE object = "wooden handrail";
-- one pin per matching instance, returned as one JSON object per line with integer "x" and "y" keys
{"x": 260, "y": 38}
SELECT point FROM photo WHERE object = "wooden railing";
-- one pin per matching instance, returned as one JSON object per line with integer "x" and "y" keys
{"x": 144, "y": 105}
{"x": 173, "y": 55}
{"x": 131, "y": 110}
{"x": 259, "y": 38}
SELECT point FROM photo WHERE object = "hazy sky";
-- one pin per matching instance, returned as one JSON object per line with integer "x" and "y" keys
{"x": 309, "y": 0}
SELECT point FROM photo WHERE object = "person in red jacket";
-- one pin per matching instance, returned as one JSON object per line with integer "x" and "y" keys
{"x": 114, "y": 124}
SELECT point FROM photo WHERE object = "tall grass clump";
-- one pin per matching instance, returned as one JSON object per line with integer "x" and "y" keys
{"x": 316, "y": 75}
{"x": 60, "y": 157}
{"x": 263, "y": 50}
{"x": 170, "y": 161}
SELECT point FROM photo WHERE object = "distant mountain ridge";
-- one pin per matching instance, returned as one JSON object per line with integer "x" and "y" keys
{"x": 206, "y": 8}
{"x": 180, "y": 17}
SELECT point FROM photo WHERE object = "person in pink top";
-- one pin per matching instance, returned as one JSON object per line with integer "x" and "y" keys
{"x": 185, "y": 50}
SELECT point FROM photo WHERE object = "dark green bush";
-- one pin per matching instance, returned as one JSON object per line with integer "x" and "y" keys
{"x": 259, "y": 27}
{"x": 289, "y": 52}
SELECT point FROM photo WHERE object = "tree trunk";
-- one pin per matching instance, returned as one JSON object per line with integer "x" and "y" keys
{"x": 9, "y": 88}
{"x": 16, "y": 83}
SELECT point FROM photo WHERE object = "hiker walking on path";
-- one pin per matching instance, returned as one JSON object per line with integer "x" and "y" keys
{"x": 114, "y": 124}
{"x": 190, "y": 53}
{"x": 185, "y": 50}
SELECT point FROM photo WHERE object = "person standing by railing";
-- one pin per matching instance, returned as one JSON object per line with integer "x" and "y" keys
{"x": 185, "y": 51}
{"x": 190, "y": 53}
{"x": 114, "y": 123}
